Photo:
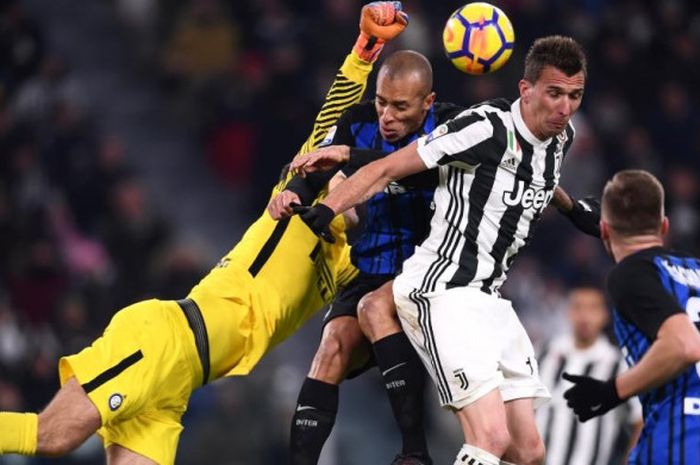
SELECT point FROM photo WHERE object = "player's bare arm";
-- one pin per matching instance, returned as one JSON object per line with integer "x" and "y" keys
{"x": 360, "y": 187}
{"x": 374, "y": 177}
{"x": 561, "y": 200}
{"x": 677, "y": 346}
{"x": 280, "y": 205}
{"x": 350, "y": 215}
{"x": 322, "y": 159}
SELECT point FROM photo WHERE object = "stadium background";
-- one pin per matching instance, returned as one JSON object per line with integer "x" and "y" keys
{"x": 138, "y": 138}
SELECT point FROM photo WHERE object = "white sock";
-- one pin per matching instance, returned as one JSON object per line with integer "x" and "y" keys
{"x": 470, "y": 455}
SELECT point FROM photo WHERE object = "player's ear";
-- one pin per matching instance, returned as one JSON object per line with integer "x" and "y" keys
{"x": 525, "y": 88}
{"x": 605, "y": 238}
{"x": 664, "y": 226}
{"x": 604, "y": 230}
{"x": 429, "y": 100}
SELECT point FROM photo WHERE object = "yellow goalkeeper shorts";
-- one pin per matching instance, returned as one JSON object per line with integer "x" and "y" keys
{"x": 140, "y": 374}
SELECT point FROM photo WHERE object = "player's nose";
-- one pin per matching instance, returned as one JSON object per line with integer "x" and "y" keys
{"x": 565, "y": 107}
{"x": 387, "y": 115}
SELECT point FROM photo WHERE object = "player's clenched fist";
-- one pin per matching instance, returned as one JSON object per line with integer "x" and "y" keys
{"x": 590, "y": 397}
{"x": 383, "y": 20}
{"x": 281, "y": 205}
{"x": 318, "y": 218}
{"x": 379, "y": 22}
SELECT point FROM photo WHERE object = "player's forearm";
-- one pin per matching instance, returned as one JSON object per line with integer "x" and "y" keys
{"x": 561, "y": 200}
{"x": 666, "y": 358}
{"x": 374, "y": 177}
{"x": 358, "y": 188}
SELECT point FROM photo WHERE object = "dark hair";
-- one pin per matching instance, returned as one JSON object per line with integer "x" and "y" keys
{"x": 633, "y": 203}
{"x": 563, "y": 53}
{"x": 404, "y": 62}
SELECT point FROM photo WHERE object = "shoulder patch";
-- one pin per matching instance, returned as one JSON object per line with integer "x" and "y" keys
{"x": 330, "y": 135}
{"x": 437, "y": 132}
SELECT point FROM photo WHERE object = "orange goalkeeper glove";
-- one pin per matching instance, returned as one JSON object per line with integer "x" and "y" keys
{"x": 379, "y": 22}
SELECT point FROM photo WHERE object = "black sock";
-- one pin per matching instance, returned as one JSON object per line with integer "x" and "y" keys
{"x": 404, "y": 380}
{"x": 313, "y": 421}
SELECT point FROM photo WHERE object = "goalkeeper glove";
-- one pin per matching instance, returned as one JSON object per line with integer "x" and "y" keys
{"x": 318, "y": 218}
{"x": 585, "y": 215}
{"x": 590, "y": 397}
{"x": 379, "y": 22}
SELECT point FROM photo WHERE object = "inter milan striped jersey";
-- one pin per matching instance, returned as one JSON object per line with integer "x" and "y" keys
{"x": 647, "y": 288}
{"x": 496, "y": 178}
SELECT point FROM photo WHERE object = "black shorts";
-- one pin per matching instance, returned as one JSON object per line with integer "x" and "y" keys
{"x": 345, "y": 303}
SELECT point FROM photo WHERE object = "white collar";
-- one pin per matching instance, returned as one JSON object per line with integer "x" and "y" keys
{"x": 522, "y": 127}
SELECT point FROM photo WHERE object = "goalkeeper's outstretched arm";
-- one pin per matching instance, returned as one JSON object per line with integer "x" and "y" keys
{"x": 379, "y": 23}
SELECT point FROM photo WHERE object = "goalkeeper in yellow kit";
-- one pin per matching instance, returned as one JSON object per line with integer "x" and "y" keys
{"x": 132, "y": 385}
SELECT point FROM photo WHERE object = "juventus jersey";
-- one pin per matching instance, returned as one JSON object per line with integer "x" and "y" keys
{"x": 496, "y": 178}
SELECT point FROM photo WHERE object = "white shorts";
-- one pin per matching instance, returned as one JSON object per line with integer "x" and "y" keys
{"x": 470, "y": 343}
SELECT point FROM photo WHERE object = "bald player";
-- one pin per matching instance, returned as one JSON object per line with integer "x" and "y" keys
{"x": 397, "y": 219}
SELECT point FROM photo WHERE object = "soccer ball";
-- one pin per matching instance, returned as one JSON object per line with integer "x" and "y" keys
{"x": 478, "y": 38}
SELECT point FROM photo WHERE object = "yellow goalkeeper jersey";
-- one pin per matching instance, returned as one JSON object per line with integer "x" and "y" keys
{"x": 280, "y": 273}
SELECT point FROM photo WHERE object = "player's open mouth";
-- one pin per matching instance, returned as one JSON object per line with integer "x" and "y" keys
{"x": 388, "y": 132}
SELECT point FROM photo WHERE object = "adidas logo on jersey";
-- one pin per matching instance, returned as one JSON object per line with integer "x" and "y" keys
{"x": 509, "y": 163}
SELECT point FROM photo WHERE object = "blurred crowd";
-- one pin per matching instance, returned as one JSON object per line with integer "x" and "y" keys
{"x": 79, "y": 237}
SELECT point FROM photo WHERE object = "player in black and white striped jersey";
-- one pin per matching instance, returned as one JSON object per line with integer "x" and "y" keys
{"x": 499, "y": 167}
{"x": 584, "y": 349}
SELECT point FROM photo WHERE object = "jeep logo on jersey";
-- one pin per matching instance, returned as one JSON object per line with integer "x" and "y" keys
{"x": 115, "y": 401}
{"x": 528, "y": 197}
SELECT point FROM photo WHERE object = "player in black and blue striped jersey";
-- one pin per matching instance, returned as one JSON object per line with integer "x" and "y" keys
{"x": 394, "y": 222}
{"x": 656, "y": 317}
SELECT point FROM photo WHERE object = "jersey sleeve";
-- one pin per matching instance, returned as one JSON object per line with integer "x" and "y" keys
{"x": 341, "y": 132}
{"x": 347, "y": 89}
{"x": 456, "y": 140}
{"x": 637, "y": 292}
{"x": 360, "y": 158}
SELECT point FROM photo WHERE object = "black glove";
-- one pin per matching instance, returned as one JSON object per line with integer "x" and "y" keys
{"x": 590, "y": 397}
{"x": 585, "y": 215}
{"x": 317, "y": 218}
